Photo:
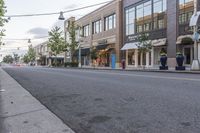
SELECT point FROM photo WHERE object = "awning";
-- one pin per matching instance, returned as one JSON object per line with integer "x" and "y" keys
{"x": 101, "y": 47}
{"x": 180, "y": 38}
{"x": 84, "y": 52}
{"x": 130, "y": 46}
{"x": 159, "y": 42}
{"x": 194, "y": 19}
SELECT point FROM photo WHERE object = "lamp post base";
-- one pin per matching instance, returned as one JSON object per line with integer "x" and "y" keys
{"x": 195, "y": 65}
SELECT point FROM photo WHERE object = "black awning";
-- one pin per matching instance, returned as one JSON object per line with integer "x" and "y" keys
{"x": 84, "y": 52}
{"x": 101, "y": 47}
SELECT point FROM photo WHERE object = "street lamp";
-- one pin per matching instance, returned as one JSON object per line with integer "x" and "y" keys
{"x": 29, "y": 41}
{"x": 61, "y": 17}
{"x": 193, "y": 23}
{"x": 79, "y": 55}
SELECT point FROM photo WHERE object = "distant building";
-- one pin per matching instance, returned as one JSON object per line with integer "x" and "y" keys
{"x": 102, "y": 30}
{"x": 44, "y": 56}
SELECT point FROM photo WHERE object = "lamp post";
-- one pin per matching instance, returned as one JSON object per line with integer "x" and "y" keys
{"x": 61, "y": 17}
{"x": 195, "y": 63}
{"x": 79, "y": 55}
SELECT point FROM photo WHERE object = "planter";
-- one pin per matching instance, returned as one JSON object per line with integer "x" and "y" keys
{"x": 163, "y": 61}
{"x": 179, "y": 60}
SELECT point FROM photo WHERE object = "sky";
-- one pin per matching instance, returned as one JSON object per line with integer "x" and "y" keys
{"x": 34, "y": 27}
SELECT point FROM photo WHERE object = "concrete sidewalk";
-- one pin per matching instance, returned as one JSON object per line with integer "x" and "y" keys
{"x": 20, "y": 112}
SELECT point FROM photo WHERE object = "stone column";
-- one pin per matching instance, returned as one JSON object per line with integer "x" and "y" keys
{"x": 152, "y": 57}
{"x": 136, "y": 58}
{"x": 141, "y": 59}
{"x": 126, "y": 57}
{"x": 172, "y": 31}
{"x": 147, "y": 59}
{"x": 199, "y": 51}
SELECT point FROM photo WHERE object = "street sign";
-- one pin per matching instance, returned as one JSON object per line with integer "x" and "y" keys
{"x": 196, "y": 36}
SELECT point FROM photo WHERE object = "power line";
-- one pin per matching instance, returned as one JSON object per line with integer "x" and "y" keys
{"x": 23, "y": 39}
{"x": 54, "y": 13}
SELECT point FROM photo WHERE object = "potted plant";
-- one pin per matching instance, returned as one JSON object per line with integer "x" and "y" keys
{"x": 179, "y": 60}
{"x": 163, "y": 59}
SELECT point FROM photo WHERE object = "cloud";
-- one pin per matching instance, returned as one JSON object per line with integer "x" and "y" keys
{"x": 72, "y": 6}
{"x": 38, "y": 32}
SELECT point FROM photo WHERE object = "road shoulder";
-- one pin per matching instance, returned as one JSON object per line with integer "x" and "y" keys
{"x": 20, "y": 112}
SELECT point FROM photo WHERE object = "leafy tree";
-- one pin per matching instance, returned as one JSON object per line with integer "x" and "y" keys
{"x": 30, "y": 56}
{"x": 26, "y": 59}
{"x": 56, "y": 42}
{"x": 93, "y": 55}
{"x": 2, "y": 20}
{"x": 72, "y": 44}
{"x": 8, "y": 59}
{"x": 144, "y": 44}
{"x": 16, "y": 57}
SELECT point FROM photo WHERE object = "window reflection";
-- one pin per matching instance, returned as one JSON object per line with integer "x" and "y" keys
{"x": 186, "y": 8}
{"x": 139, "y": 18}
{"x": 159, "y": 14}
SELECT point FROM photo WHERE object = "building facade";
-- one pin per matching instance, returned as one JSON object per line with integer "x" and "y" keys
{"x": 167, "y": 24}
{"x": 44, "y": 56}
{"x": 101, "y": 30}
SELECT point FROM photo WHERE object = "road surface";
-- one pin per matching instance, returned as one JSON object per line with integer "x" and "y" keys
{"x": 92, "y": 101}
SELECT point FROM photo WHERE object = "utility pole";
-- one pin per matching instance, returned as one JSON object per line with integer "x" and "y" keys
{"x": 195, "y": 63}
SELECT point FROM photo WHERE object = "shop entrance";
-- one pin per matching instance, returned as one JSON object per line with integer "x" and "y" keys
{"x": 188, "y": 55}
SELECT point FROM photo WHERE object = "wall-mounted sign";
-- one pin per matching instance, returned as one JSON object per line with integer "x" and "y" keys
{"x": 104, "y": 41}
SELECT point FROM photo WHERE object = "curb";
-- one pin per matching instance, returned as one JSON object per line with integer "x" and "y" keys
{"x": 132, "y": 70}
{"x": 20, "y": 112}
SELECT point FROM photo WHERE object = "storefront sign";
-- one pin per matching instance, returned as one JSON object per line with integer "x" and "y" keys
{"x": 159, "y": 42}
{"x": 131, "y": 38}
{"x": 102, "y": 41}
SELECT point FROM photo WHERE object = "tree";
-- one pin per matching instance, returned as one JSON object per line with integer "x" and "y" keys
{"x": 72, "y": 44}
{"x": 8, "y": 59}
{"x": 2, "y": 20}
{"x": 26, "y": 59}
{"x": 56, "y": 42}
{"x": 93, "y": 54}
{"x": 144, "y": 44}
{"x": 16, "y": 57}
{"x": 30, "y": 55}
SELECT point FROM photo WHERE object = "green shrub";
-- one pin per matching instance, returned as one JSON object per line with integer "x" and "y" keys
{"x": 71, "y": 64}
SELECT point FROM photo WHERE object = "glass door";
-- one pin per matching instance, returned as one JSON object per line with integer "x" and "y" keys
{"x": 187, "y": 55}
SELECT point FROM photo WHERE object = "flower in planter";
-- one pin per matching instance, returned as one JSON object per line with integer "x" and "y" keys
{"x": 179, "y": 54}
{"x": 163, "y": 54}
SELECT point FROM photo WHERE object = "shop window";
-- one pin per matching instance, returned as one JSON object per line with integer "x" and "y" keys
{"x": 131, "y": 57}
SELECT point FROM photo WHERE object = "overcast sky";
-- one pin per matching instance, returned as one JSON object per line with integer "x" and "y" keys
{"x": 33, "y": 27}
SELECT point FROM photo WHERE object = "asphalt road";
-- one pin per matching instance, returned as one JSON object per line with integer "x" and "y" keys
{"x": 92, "y": 101}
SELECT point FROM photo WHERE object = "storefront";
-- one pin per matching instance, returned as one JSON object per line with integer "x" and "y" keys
{"x": 85, "y": 56}
{"x": 158, "y": 46}
{"x": 136, "y": 59}
{"x": 104, "y": 53}
{"x": 185, "y": 45}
